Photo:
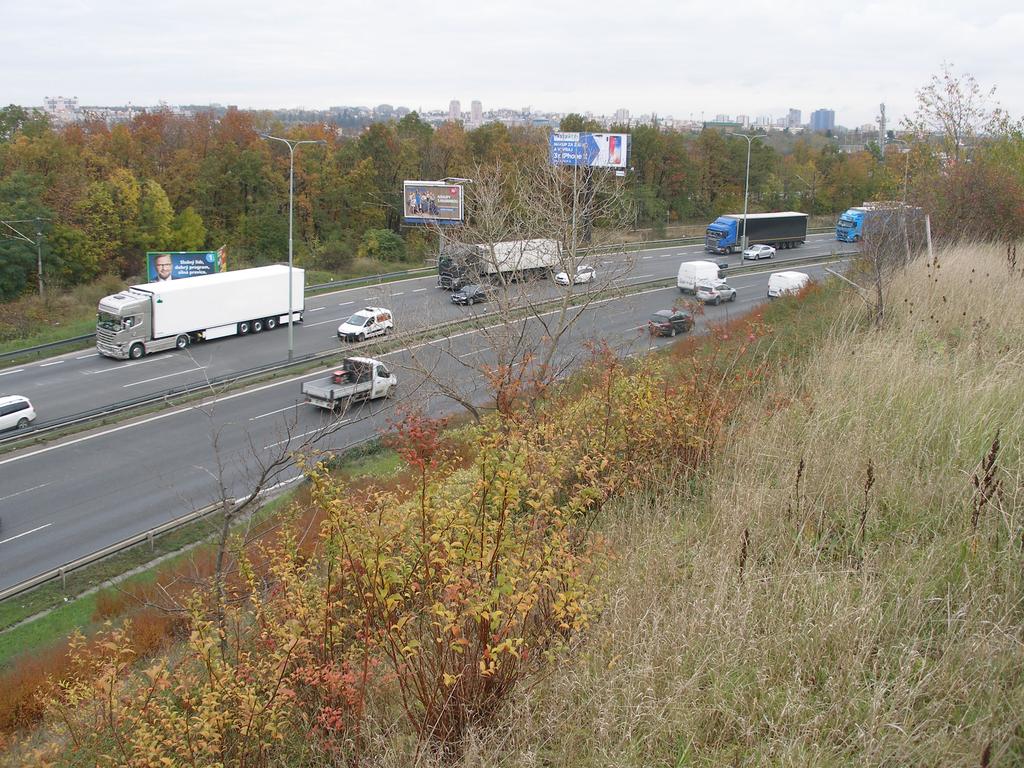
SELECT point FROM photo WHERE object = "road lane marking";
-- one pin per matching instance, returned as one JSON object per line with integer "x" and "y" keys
{"x": 47, "y": 365}
{"x": 346, "y": 303}
{"x": 271, "y": 413}
{"x": 322, "y": 322}
{"x": 641, "y": 277}
{"x": 418, "y": 290}
{"x": 167, "y": 376}
{"x": 317, "y": 309}
{"x": 122, "y": 366}
{"x": 295, "y": 437}
{"x": 26, "y": 533}
{"x": 644, "y": 258}
{"x": 16, "y": 370}
{"x": 86, "y": 357}
{"x": 27, "y": 490}
{"x": 400, "y": 293}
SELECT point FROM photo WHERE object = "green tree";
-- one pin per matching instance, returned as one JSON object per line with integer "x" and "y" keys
{"x": 187, "y": 231}
{"x": 155, "y": 217}
{"x": 382, "y": 244}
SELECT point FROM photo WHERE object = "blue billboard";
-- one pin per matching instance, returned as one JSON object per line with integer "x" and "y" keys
{"x": 601, "y": 150}
{"x": 175, "y": 265}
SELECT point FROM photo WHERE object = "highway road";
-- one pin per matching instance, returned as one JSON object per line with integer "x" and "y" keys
{"x": 66, "y": 500}
{"x": 80, "y": 382}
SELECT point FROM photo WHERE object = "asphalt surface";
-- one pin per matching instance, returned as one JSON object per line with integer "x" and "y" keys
{"x": 75, "y": 497}
{"x": 85, "y": 381}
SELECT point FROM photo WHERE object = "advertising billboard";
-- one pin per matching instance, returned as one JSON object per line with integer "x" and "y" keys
{"x": 431, "y": 202}
{"x": 176, "y": 265}
{"x": 600, "y": 150}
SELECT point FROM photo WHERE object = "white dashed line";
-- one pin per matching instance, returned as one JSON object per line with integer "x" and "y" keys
{"x": 316, "y": 309}
{"x": 166, "y": 376}
{"x": 295, "y": 437}
{"x": 47, "y": 365}
{"x": 26, "y": 533}
{"x": 16, "y": 370}
{"x": 34, "y": 488}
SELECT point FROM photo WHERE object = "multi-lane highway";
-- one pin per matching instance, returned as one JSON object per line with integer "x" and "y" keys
{"x": 81, "y": 382}
{"x": 69, "y": 499}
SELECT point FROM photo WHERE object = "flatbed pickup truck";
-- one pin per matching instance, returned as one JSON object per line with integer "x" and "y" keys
{"x": 356, "y": 380}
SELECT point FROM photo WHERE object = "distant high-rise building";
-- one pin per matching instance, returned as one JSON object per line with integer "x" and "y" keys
{"x": 454, "y": 110}
{"x": 722, "y": 119}
{"x": 622, "y": 115}
{"x": 476, "y": 111}
{"x": 794, "y": 120}
{"x": 743, "y": 120}
{"x": 823, "y": 120}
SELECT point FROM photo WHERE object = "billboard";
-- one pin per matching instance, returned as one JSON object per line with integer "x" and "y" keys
{"x": 431, "y": 202}
{"x": 175, "y": 265}
{"x": 600, "y": 150}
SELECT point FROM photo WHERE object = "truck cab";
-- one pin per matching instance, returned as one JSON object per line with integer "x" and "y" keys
{"x": 722, "y": 235}
{"x": 122, "y": 325}
{"x": 850, "y": 227}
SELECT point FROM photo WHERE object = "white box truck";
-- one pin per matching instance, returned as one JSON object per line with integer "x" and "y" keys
{"x": 358, "y": 379}
{"x": 460, "y": 265}
{"x": 175, "y": 313}
{"x": 693, "y": 273}
{"x": 781, "y": 283}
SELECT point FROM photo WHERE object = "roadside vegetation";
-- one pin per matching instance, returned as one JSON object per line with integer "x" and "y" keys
{"x": 795, "y": 541}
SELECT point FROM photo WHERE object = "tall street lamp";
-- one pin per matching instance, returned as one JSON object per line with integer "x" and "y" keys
{"x": 291, "y": 144}
{"x": 746, "y": 186}
{"x": 906, "y": 164}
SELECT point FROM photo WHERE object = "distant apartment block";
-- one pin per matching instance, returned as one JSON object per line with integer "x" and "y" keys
{"x": 476, "y": 111}
{"x": 454, "y": 110}
{"x": 622, "y": 115}
{"x": 794, "y": 120}
{"x": 823, "y": 120}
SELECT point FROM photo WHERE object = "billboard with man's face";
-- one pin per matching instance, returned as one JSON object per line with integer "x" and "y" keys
{"x": 176, "y": 265}
{"x": 431, "y": 202}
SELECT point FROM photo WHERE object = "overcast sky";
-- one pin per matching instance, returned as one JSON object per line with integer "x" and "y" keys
{"x": 682, "y": 58}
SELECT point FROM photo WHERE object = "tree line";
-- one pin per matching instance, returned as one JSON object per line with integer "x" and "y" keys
{"x": 104, "y": 195}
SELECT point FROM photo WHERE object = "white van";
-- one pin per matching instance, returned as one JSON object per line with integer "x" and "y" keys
{"x": 781, "y": 283}
{"x": 367, "y": 322}
{"x": 692, "y": 273}
{"x": 15, "y": 412}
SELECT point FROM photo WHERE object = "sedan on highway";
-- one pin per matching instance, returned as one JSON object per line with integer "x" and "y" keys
{"x": 708, "y": 293}
{"x": 584, "y": 274}
{"x": 471, "y": 294}
{"x": 16, "y": 412}
{"x": 759, "y": 252}
{"x": 669, "y": 322}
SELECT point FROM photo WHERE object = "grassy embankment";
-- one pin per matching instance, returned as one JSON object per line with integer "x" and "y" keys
{"x": 846, "y": 587}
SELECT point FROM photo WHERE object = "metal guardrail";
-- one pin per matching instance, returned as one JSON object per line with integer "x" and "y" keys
{"x": 419, "y": 271}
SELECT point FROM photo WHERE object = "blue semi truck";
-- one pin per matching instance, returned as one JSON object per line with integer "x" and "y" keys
{"x": 786, "y": 229}
{"x": 855, "y": 222}
{"x": 850, "y": 227}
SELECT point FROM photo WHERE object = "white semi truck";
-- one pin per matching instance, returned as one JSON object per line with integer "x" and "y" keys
{"x": 358, "y": 379}
{"x": 460, "y": 265}
{"x": 173, "y": 314}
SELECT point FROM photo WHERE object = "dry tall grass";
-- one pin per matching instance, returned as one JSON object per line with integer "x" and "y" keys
{"x": 805, "y": 610}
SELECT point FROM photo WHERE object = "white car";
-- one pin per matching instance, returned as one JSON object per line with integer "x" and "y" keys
{"x": 716, "y": 293}
{"x": 584, "y": 274}
{"x": 783, "y": 283}
{"x": 15, "y": 412}
{"x": 759, "y": 252}
{"x": 367, "y": 322}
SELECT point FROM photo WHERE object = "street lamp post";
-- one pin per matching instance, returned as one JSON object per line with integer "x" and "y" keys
{"x": 746, "y": 186}
{"x": 291, "y": 144}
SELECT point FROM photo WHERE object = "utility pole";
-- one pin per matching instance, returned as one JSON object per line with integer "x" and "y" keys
{"x": 38, "y": 243}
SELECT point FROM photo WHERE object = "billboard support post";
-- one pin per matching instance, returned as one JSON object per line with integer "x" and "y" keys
{"x": 291, "y": 144}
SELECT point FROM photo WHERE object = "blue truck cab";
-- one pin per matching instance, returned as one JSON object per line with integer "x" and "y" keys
{"x": 850, "y": 227}
{"x": 722, "y": 235}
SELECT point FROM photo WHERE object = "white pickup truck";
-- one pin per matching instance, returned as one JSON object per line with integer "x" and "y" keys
{"x": 358, "y": 379}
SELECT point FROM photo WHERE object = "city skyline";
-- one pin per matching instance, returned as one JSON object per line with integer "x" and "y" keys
{"x": 261, "y": 56}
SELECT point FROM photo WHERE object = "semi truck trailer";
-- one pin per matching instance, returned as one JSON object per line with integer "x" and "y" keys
{"x": 855, "y": 222}
{"x": 172, "y": 314}
{"x": 356, "y": 380}
{"x": 786, "y": 229}
{"x": 460, "y": 265}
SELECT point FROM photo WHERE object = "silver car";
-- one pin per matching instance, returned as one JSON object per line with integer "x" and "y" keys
{"x": 715, "y": 294}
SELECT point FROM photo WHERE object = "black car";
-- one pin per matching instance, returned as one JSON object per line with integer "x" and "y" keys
{"x": 471, "y": 294}
{"x": 669, "y": 322}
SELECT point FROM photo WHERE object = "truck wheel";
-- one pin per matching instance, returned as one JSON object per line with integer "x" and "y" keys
{"x": 257, "y": 326}
{"x": 135, "y": 351}
{"x": 271, "y": 323}
{"x": 243, "y": 328}
{"x": 22, "y": 423}
{"x": 181, "y": 342}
